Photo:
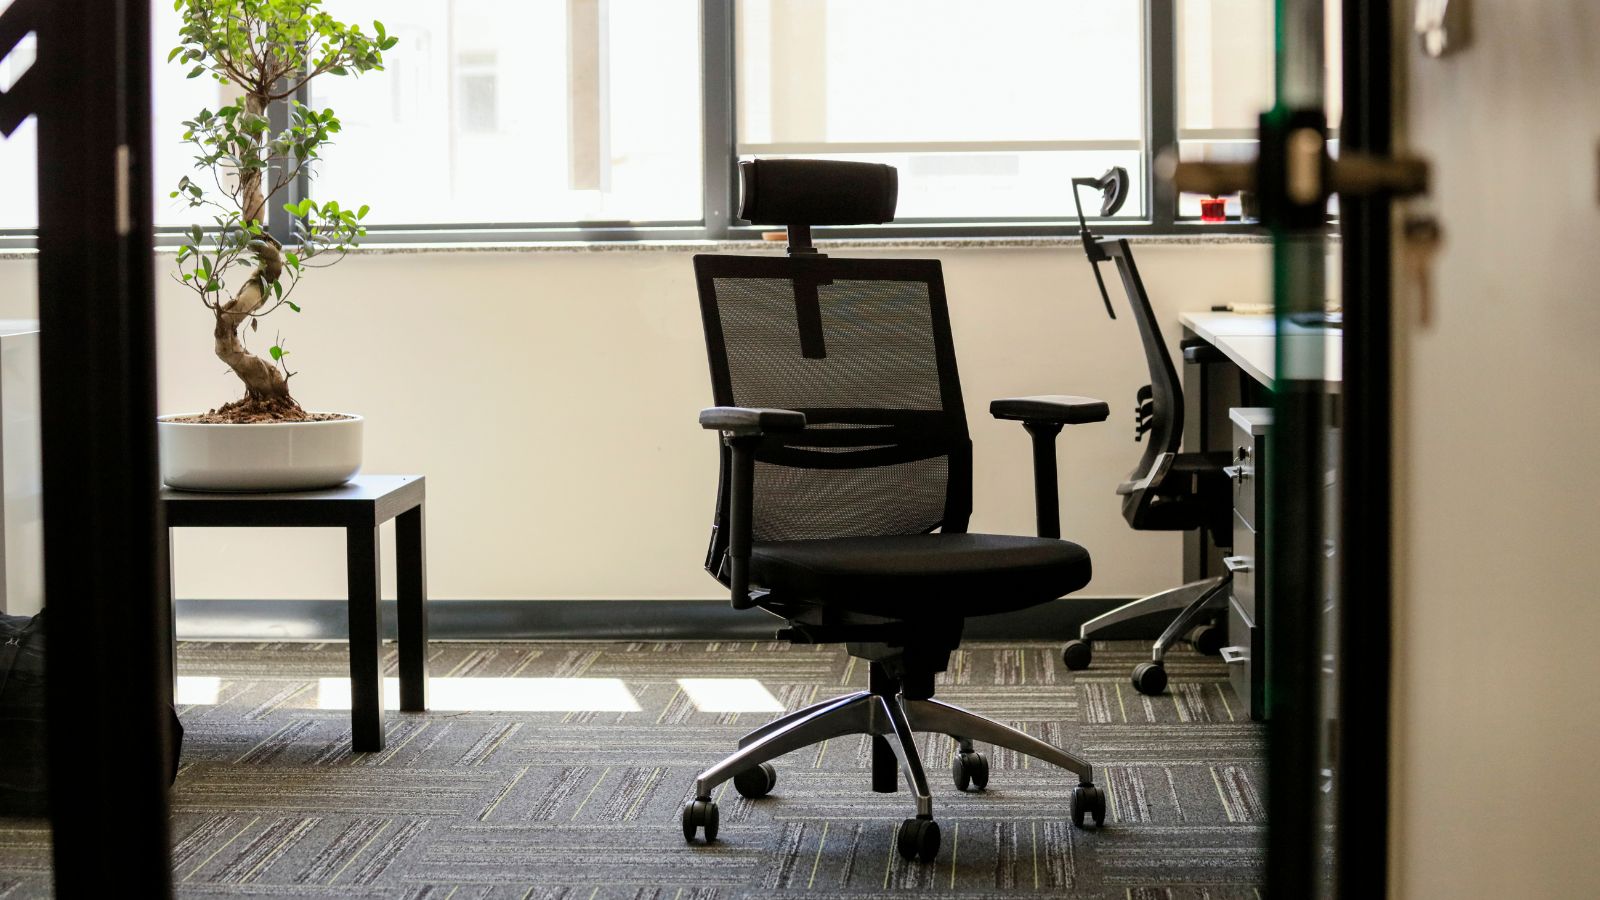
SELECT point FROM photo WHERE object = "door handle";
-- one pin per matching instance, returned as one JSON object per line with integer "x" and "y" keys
{"x": 1236, "y": 564}
{"x": 1294, "y": 174}
{"x": 1351, "y": 175}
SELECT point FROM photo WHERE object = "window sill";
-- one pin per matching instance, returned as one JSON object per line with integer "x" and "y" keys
{"x": 748, "y": 246}
{"x": 842, "y": 245}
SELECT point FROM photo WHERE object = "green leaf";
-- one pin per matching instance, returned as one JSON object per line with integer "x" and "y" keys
{"x": 276, "y": 351}
{"x": 362, "y": 213}
{"x": 197, "y": 71}
{"x": 291, "y": 304}
{"x": 294, "y": 259}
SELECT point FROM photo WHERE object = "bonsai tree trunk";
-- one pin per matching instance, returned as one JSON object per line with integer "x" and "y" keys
{"x": 266, "y": 385}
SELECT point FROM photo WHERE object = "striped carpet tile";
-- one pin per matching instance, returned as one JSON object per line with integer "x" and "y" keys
{"x": 555, "y": 771}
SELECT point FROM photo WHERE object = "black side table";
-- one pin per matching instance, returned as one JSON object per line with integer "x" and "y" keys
{"x": 359, "y": 507}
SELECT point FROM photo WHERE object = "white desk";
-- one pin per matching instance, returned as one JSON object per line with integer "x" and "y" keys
{"x": 1248, "y": 340}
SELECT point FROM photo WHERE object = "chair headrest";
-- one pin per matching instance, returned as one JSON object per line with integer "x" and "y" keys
{"x": 816, "y": 192}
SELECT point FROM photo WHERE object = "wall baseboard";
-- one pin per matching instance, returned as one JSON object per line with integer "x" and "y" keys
{"x": 622, "y": 620}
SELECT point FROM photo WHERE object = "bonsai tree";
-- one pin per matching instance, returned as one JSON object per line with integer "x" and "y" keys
{"x": 267, "y": 50}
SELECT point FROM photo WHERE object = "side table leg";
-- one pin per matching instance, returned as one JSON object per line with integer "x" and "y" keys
{"x": 170, "y": 598}
{"x": 411, "y": 557}
{"x": 366, "y": 639}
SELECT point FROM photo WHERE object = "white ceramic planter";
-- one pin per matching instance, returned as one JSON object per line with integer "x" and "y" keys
{"x": 275, "y": 456}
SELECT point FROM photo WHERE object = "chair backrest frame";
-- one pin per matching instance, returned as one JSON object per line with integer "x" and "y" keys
{"x": 1165, "y": 433}
{"x": 792, "y": 332}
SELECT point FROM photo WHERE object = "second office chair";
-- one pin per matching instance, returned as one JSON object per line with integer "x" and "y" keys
{"x": 1168, "y": 490}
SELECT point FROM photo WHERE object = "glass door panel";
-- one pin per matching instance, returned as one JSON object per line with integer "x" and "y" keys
{"x": 1302, "y": 476}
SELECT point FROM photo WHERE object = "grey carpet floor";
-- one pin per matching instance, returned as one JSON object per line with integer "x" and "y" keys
{"x": 575, "y": 794}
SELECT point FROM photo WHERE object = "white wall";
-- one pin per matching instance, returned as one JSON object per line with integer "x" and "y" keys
{"x": 1496, "y": 678}
{"x": 550, "y": 399}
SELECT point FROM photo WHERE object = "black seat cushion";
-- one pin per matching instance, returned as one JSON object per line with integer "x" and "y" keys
{"x": 919, "y": 575}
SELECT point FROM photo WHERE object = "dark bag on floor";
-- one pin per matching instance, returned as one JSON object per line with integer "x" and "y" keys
{"x": 22, "y": 723}
{"x": 22, "y": 719}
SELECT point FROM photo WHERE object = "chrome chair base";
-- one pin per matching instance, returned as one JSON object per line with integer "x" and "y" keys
{"x": 1194, "y": 599}
{"x": 895, "y": 719}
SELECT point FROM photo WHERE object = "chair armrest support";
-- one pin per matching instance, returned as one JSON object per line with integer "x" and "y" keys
{"x": 1201, "y": 351}
{"x": 743, "y": 430}
{"x": 1044, "y": 417}
{"x": 1059, "y": 409}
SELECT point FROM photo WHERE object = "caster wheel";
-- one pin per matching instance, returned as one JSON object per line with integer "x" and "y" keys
{"x": 1077, "y": 655}
{"x": 697, "y": 815}
{"x": 1150, "y": 678}
{"x": 970, "y": 770}
{"x": 1088, "y": 801}
{"x": 1211, "y": 639}
{"x": 756, "y": 782}
{"x": 919, "y": 839}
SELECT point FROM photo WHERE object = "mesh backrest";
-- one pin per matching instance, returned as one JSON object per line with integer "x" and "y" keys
{"x": 863, "y": 348}
{"x": 1166, "y": 392}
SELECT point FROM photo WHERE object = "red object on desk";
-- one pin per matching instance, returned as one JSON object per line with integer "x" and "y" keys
{"x": 1213, "y": 209}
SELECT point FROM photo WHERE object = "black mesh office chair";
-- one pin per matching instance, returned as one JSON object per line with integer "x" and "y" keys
{"x": 846, "y": 487}
{"x": 1168, "y": 490}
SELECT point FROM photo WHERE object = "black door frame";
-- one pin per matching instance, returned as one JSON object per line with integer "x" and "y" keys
{"x": 1361, "y": 824}
{"x": 104, "y": 545}
{"x": 109, "y": 670}
{"x": 1298, "y": 839}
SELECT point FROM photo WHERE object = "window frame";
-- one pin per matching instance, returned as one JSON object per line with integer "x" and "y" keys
{"x": 720, "y": 155}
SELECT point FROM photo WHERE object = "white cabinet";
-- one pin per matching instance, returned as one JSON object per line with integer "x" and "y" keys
{"x": 22, "y": 526}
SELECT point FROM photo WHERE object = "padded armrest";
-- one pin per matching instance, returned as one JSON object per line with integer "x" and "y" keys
{"x": 1054, "y": 408}
{"x": 744, "y": 422}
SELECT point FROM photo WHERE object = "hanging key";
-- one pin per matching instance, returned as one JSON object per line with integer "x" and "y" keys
{"x": 1423, "y": 238}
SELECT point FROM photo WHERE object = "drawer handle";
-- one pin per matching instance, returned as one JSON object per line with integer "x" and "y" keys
{"x": 1236, "y": 564}
{"x": 1233, "y": 656}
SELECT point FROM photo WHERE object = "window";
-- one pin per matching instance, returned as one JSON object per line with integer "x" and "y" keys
{"x": 987, "y": 109}
{"x": 539, "y": 111}
{"x": 176, "y": 99}
{"x": 518, "y": 119}
{"x": 479, "y": 88}
{"x": 1225, "y": 80}
{"x": 19, "y": 201}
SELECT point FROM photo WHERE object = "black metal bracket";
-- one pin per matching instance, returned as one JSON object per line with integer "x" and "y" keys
{"x": 1292, "y": 169}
